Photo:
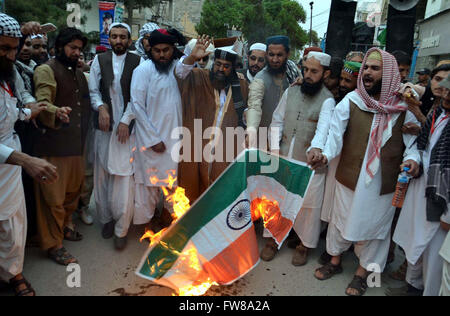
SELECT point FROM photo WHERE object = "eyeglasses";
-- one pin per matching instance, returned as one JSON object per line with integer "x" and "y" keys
{"x": 260, "y": 59}
{"x": 218, "y": 64}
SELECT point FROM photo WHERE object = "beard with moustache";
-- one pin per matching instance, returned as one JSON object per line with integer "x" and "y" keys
{"x": 376, "y": 88}
{"x": 6, "y": 70}
{"x": 311, "y": 89}
{"x": 278, "y": 71}
{"x": 218, "y": 79}
{"x": 66, "y": 61}
{"x": 163, "y": 67}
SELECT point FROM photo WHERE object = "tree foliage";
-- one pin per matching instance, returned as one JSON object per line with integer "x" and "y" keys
{"x": 218, "y": 16}
{"x": 43, "y": 11}
{"x": 257, "y": 19}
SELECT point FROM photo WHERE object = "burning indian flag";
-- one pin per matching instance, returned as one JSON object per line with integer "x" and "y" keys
{"x": 215, "y": 241}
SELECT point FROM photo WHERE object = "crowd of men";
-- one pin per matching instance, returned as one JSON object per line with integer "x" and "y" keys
{"x": 69, "y": 130}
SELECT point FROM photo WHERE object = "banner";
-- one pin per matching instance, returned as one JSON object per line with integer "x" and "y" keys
{"x": 118, "y": 15}
{"x": 215, "y": 241}
{"x": 106, "y": 17}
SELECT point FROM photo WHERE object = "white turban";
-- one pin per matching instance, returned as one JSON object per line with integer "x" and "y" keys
{"x": 120, "y": 24}
{"x": 258, "y": 46}
{"x": 323, "y": 58}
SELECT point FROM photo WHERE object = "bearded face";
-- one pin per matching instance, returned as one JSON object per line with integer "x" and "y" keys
{"x": 6, "y": 69}
{"x": 373, "y": 76}
{"x": 221, "y": 73}
{"x": 162, "y": 56}
{"x": 8, "y": 52}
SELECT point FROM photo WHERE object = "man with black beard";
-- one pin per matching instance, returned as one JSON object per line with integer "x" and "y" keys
{"x": 64, "y": 89}
{"x": 13, "y": 217}
{"x": 366, "y": 131}
{"x": 216, "y": 99}
{"x": 270, "y": 83}
{"x": 156, "y": 103}
{"x": 110, "y": 85}
{"x": 299, "y": 129}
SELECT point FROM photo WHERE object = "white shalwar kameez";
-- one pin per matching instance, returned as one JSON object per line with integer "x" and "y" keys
{"x": 307, "y": 224}
{"x": 362, "y": 216}
{"x": 156, "y": 102}
{"x": 420, "y": 239}
{"x": 114, "y": 185}
{"x": 13, "y": 217}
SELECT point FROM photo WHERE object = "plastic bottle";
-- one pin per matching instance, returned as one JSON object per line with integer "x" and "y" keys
{"x": 401, "y": 188}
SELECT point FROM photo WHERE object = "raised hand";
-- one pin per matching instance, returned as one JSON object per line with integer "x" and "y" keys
{"x": 199, "y": 51}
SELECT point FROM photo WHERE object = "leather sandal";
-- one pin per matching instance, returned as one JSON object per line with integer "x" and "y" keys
{"x": 328, "y": 270}
{"x": 26, "y": 291}
{"x": 359, "y": 284}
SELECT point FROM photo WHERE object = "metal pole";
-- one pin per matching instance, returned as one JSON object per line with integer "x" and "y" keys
{"x": 310, "y": 26}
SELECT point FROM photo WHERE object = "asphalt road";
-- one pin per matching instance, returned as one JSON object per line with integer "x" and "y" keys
{"x": 105, "y": 271}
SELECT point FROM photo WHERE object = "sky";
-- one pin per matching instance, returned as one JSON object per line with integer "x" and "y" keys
{"x": 321, "y": 14}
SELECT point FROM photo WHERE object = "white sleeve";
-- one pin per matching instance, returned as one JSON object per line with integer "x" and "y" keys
{"x": 276, "y": 127}
{"x": 411, "y": 151}
{"x": 338, "y": 126}
{"x": 182, "y": 70}
{"x": 128, "y": 116}
{"x": 94, "y": 85}
{"x": 326, "y": 114}
{"x": 5, "y": 152}
{"x": 146, "y": 133}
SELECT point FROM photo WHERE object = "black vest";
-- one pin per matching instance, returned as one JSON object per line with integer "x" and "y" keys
{"x": 132, "y": 61}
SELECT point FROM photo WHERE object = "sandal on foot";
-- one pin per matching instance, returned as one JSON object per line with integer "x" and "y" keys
{"x": 72, "y": 235}
{"x": 62, "y": 257}
{"x": 328, "y": 270}
{"x": 359, "y": 284}
{"x": 15, "y": 284}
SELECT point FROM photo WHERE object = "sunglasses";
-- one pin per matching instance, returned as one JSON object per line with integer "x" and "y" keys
{"x": 260, "y": 59}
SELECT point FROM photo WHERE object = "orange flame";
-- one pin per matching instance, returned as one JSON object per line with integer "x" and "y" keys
{"x": 265, "y": 208}
{"x": 181, "y": 205}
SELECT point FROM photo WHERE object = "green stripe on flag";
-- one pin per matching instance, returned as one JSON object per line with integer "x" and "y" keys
{"x": 216, "y": 199}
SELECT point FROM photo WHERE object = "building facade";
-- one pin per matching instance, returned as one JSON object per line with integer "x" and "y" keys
{"x": 434, "y": 34}
{"x": 180, "y": 14}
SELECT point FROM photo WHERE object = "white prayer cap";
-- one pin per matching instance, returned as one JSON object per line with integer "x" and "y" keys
{"x": 120, "y": 24}
{"x": 258, "y": 46}
{"x": 323, "y": 58}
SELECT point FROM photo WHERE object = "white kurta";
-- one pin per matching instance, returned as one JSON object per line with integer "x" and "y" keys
{"x": 13, "y": 221}
{"x": 330, "y": 189}
{"x": 114, "y": 185}
{"x": 307, "y": 224}
{"x": 363, "y": 214}
{"x": 414, "y": 232}
{"x": 156, "y": 102}
{"x": 114, "y": 156}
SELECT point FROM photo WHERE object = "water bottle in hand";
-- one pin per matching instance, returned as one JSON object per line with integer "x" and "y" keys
{"x": 401, "y": 188}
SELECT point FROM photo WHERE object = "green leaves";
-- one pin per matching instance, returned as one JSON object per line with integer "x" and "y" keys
{"x": 257, "y": 19}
